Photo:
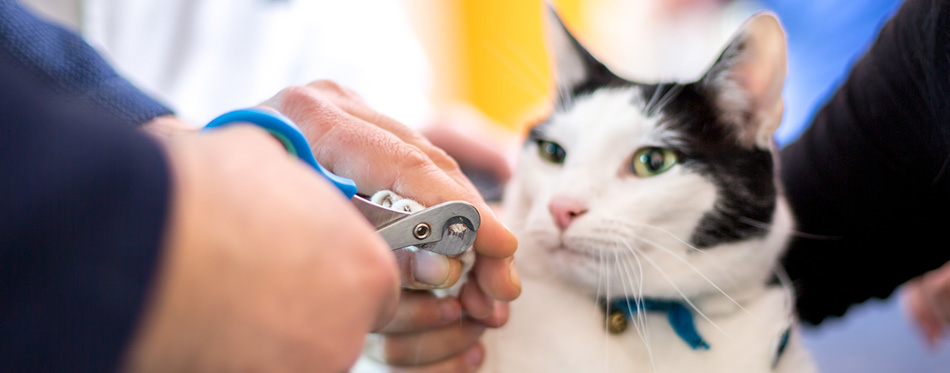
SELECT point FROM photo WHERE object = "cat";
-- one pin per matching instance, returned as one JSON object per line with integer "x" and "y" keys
{"x": 657, "y": 198}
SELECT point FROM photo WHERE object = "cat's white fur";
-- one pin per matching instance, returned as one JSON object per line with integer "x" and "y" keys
{"x": 632, "y": 241}
{"x": 556, "y": 325}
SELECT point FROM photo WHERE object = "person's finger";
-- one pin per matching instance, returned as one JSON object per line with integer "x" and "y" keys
{"x": 417, "y": 349}
{"x": 498, "y": 317}
{"x": 377, "y": 158}
{"x": 921, "y": 313}
{"x": 353, "y": 104}
{"x": 469, "y": 361}
{"x": 475, "y": 302}
{"x": 470, "y": 151}
{"x": 498, "y": 277}
{"x": 425, "y": 270}
{"x": 422, "y": 310}
{"x": 935, "y": 287}
{"x": 493, "y": 240}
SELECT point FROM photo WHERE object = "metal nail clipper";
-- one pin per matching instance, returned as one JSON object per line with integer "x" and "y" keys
{"x": 448, "y": 228}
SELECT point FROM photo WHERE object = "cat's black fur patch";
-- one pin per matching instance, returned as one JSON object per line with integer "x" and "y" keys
{"x": 708, "y": 145}
{"x": 744, "y": 177}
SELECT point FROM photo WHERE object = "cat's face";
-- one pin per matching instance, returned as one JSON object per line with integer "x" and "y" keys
{"x": 664, "y": 190}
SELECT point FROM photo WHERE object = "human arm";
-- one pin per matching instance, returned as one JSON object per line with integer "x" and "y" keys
{"x": 83, "y": 201}
{"x": 84, "y": 211}
{"x": 246, "y": 263}
{"x": 82, "y": 214}
{"x": 867, "y": 180}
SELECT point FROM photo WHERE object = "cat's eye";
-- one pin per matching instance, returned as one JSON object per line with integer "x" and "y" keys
{"x": 550, "y": 151}
{"x": 652, "y": 161}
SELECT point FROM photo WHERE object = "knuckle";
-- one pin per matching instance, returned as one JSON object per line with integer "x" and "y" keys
{"x": 335, "y": 89}
{"x": 328, "y": 85}
{"x": 294, "y": 93}
{"x": 394, "y": 350}
{"x": 297, "y": 99}
{"x": 442, "y": 159}
{"x": 412, "y": 158}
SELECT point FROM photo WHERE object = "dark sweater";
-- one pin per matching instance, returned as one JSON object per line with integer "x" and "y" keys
{"x": 871, "y": 172}
{"x": 83, "y": 201}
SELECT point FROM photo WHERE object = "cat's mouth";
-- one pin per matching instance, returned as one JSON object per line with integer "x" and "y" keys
{"x": 595, "y": 255}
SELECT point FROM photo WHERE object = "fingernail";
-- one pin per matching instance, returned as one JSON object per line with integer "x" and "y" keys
{"x": 474, "y": 357}
{"x": 514, "y": 238}
{"x": 513, "y": 275}
{"x": 451, "y": 310}
{"x": 430, "y": 268}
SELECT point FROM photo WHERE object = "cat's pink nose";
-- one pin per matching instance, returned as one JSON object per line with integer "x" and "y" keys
{"x": 565, "y": 211}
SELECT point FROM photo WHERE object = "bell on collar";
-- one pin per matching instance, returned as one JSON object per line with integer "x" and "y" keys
{"x": 616, "y": 321}
{"x": 618, "y": 312}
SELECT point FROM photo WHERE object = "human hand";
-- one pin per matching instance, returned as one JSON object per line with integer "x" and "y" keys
{"x": 265, "y": 267}
{"x": 479, "y": 144}
{"x": 927, "y": 299}
{"x": 351, "y": 140}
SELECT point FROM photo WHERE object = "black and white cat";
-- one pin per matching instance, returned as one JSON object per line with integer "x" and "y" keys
{"x": 654, "y": 206}
{"x": 650, "y": 222}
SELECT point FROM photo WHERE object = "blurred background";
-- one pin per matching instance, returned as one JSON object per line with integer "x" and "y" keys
{"x": 479, "y": 70}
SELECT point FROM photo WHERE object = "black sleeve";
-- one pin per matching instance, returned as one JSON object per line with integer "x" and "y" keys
{"x": 868, "y": 181}
{"x": 62, "y": 61}
{"x": 83, "y": 202}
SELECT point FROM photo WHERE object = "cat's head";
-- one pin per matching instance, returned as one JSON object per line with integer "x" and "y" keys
{"x": 670, "y": 183}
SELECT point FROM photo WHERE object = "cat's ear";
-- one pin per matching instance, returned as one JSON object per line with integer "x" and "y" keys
{"x": 748, "y": 78}
{"x": 574, "y": 66}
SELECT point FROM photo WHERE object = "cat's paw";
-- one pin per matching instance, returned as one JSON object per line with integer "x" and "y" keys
{"x": 391, "y": 200}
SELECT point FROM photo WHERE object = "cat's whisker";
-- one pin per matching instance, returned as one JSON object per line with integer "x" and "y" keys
{"x": 712, "y": 258}
{"x": 640, "y": 291}
{"x": 640, "y": 326}
{"x": 680, "y": 292}
{"x": 698, "y": 272}
{"x": 788, "y": 288}
{"x": 641, "y": 317}
{"x": 653, "y": 100}
{"x": 637, "y": 292}
{"x": 767, "y": 226}
{"x": 668, "y": 97}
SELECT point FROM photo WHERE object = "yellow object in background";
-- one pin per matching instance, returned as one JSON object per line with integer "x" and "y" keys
{"x": 492, "y": 54}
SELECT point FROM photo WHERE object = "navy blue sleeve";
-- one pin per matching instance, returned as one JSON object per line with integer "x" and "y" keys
{"x": 62, "y": 61}
{"x": 83, "y": 203}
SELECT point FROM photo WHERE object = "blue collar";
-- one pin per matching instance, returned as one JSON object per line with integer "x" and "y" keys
{"x": 680, "y": 317}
